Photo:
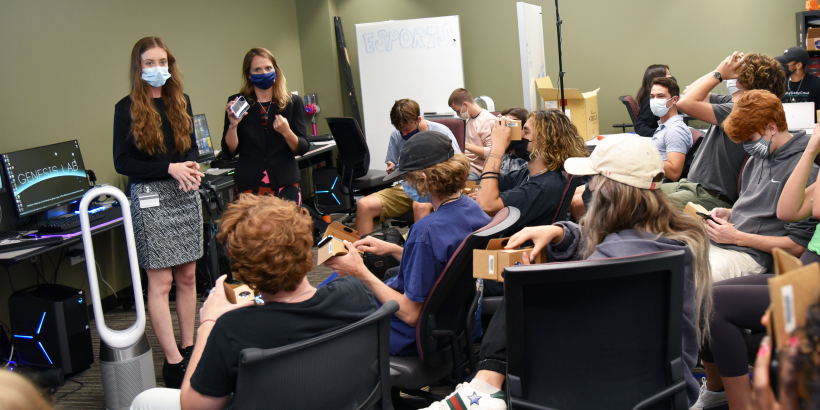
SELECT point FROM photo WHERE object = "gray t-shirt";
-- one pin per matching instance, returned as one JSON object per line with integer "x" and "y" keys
{"x": 672, "y": 136}
{"x": 717, "y": 163}
{"x": 397, "y": 141}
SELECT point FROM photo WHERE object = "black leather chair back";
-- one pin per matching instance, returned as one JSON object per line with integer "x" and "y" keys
{"x": 345, "y": 369}
{"x": 597, "y": 334}
{"x": 354, "y": 156}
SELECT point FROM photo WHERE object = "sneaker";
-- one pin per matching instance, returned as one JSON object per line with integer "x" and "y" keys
{"x": 173, "y": 374}
{"x": 708, "y": 398}
{"x": 465, "y": 397}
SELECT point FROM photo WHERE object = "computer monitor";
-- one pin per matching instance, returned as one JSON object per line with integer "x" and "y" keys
{"x": 203, "y": 138}
{"x": 45, "y": 177}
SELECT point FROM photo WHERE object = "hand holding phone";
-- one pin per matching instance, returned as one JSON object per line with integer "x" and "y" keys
{"x": 239, "y": 107}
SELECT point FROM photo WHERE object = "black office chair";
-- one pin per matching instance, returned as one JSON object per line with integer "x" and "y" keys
{"x": 632, "y": 109}
{"x": 334, "y": 188}
{"x": 596, "y": 334}
{"x": 348, "y": 369}
{"x": 445, "y": 325}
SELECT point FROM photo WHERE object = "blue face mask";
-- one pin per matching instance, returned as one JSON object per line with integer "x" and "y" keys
{"x": 410, "y": 190}
{"x": 156, "y": 76}
{"x": 410, "y": 134}
{"x": 263, "y": 81}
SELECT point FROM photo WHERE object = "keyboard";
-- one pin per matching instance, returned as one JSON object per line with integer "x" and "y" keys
{"x": 20, "y": 243}
{"x": 69, "y": 222}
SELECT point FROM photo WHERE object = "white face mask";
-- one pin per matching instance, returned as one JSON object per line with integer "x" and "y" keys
{"x": 732, "y": 86}
{"x": 658, "y": 106}
{"x": 464, "y": 114}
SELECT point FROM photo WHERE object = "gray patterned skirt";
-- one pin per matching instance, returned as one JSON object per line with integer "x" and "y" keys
{"x": 169, "y": 234}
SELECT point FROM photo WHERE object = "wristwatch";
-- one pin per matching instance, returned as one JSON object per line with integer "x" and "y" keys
{"x": 718, "y": 76}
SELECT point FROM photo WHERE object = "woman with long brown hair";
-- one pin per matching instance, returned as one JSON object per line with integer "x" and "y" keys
{"x": 273, "y": 133}
{"x": 155, "y": 147}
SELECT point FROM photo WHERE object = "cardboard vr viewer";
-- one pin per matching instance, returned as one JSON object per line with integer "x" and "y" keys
{"x": 490, "y": 263}
{"x": 332, "y": 243}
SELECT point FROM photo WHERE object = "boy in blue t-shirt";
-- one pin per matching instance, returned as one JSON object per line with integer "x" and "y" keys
{"x": 432, "y": 173}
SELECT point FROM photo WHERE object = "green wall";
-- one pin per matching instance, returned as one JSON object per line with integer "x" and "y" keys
{"x": 65, "y": 65}
{"x": 607, "y": 44}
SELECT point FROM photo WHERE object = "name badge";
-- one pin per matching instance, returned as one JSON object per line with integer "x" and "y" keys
{"x": 148, "y": 200}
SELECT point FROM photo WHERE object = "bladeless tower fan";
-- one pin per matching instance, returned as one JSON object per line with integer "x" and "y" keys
{"x": 126, "y": 360}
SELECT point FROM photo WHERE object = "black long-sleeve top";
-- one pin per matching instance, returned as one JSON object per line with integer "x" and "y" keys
{"x": 138, "y": 165}
{"x": 262, "y": 148}
{"x": 647, "y": 122}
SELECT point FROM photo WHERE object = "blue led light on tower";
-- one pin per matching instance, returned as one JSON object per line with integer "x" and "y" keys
{"x": 49, "y": 326}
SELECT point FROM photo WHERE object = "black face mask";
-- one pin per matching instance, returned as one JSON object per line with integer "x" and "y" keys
{"x": 410, "y": 134}
{"x": 519, "y": 149}
{"x": 673, "y": 79}
{"x": 787, "y": 71}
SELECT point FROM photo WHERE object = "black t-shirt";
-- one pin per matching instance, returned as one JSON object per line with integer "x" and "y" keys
{"x": 537, "y": 197}
{"x": 805, "y": 90}
{"x": 342, "y": 302}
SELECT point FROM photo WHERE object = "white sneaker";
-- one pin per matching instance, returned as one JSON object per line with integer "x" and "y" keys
{"x": 708, "y": 398}
{"x": 465, "y": 397}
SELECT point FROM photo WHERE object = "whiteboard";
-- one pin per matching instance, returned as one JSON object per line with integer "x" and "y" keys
{"x": 418, "y": 59}
{"x": 531, "y": 44}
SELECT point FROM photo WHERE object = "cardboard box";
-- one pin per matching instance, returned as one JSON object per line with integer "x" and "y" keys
{"x": 515, "y": 129}
{"x": 490, "y": 263}
{"x": 581, "y": 108}
{"x": 813, "y": 39}
{"x": 470, "y": 188}
{"x": 332, "y": 241}
{"x": 791, "y": 291}
{"x": 694, "y": 210}
{"x": 237, "y": 292}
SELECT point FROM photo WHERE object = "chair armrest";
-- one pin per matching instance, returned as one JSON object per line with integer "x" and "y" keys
{"x": 662, "y": 395}
{"x": 623, "y": 126}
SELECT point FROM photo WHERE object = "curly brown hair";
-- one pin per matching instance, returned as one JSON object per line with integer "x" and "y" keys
{"x": 555, "y": 138}
{"x": 269, "y": 241}
{"x": 754, "y": 111}
{"x": 443, "y": 179}
{"x": 761, "y": 72}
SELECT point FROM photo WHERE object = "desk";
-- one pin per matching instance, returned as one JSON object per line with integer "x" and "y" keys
{"x": 113, "y": 219}
{"x": 322, "y": 153}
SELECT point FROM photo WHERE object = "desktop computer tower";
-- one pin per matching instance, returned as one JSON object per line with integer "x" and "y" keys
{"x": 49, "y": 325}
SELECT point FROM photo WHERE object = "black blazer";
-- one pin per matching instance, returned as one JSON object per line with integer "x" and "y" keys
{"x": 262, "y": 148}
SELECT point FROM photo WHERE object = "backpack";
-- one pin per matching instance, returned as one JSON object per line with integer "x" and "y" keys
{"x": 379, "y": 264}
